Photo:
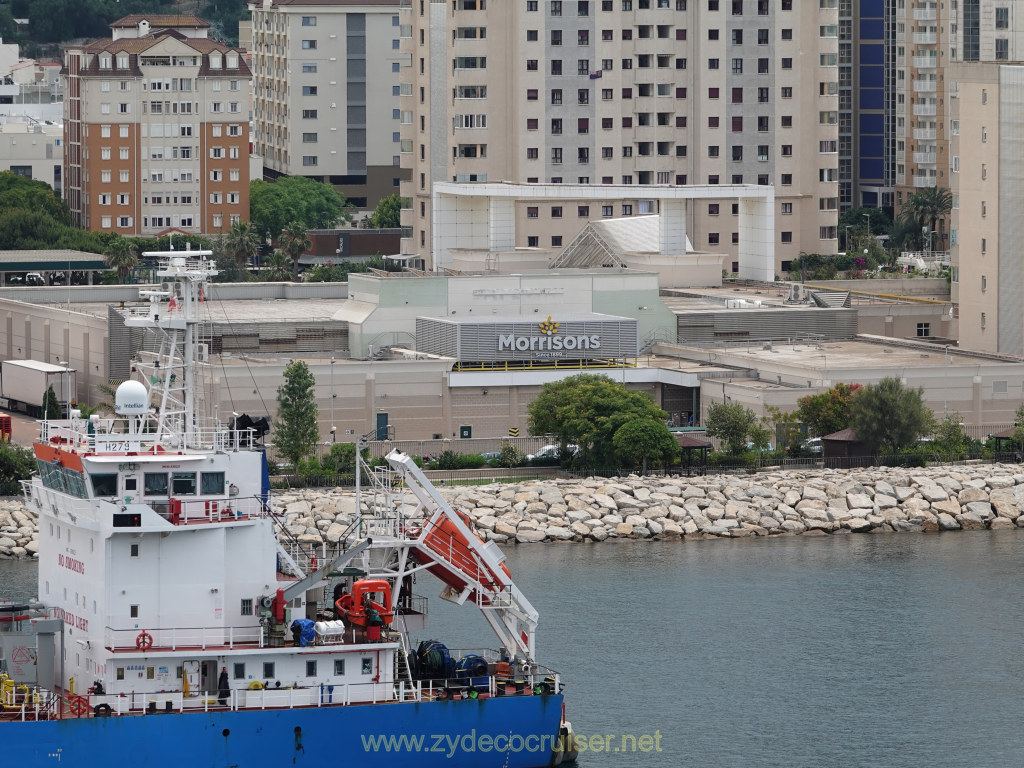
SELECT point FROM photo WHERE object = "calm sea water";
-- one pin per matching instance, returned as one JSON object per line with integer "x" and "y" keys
{"x": 884, "y": 651}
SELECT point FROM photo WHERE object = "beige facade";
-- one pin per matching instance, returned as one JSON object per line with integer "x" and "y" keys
{"x": 156, "y": 130}
{"x": 326, "y": 102}
{"x": 988, "y": 159}
{"x": 596, "y": 92}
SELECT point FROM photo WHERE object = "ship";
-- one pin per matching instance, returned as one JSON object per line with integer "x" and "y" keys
{"x": 181, "y": 621}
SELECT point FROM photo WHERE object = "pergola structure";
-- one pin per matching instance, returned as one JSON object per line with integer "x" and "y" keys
{"x": 482, "y": 216}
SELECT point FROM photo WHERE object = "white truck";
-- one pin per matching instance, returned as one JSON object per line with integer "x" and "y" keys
{"x": 23, "y": 385}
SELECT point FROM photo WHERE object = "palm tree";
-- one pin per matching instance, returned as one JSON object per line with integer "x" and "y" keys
{"x": 242, "y": 242}
{"x": 277, "y": 268}
{"x": 122, "y": 256}
{"x": 294, "y": 242}
{"x": 926, "y": 207}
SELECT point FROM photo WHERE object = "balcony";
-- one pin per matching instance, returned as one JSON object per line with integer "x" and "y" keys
{"x": 924, "y": 38}
{"x": 923, "y": 182}
{"x": 924, "y": 62}
{"x": 924, "y": 86}
{"x": 925, "y": 14}
{"x": 924, "y": 110}
{"x": 924, "y": 158}
{"x": 924, "y": 134}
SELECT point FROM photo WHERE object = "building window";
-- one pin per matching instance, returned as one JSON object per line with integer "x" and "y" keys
{"x": 556, "y": 241}
{"x": 924, "y": 329}
{"x": 786, "y": 237}
{"x": 533, "y": 241}
{"x": 712, "y": 238}
{"x": 309, "y": 21}
{"x": 532, "y": 212}
{"x": 583, "y": 211}
{"x": 308, "y": 45}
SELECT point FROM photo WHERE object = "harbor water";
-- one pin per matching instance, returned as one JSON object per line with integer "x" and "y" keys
{"x": 870, "y": 651}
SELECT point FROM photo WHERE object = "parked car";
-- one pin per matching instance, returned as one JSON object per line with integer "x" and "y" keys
{"x": 552, "y": 452}
{"x": 34, "y": 278}
{"x": 811, "y": 445}
{"x": 58, "y": 278}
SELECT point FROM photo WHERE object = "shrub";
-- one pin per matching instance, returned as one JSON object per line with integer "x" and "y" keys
{"x": 472, "y": 461}
{"x": 510, "y": 456}
{"x": 448, "y": 460}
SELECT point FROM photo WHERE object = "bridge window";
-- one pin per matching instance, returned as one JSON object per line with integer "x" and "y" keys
{"x": 183, "y": 483}
{"x": 104, "y": 485}
{"x": 211, "y": 483}
{"x": 155, "y": 484}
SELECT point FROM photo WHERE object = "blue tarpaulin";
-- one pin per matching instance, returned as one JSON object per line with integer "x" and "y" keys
{"x": 306, "y": 631}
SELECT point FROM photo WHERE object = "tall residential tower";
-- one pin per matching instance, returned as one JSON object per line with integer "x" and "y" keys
{"x": 156, "y": 129}
{"x": 633, "y": 92}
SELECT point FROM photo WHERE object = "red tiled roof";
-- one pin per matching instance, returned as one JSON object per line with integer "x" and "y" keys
{"x": 161, "y": 20}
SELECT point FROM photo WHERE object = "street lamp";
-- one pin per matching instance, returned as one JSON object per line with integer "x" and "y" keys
{"x": 66, "y": 384}
{"x": 334, "y": 430}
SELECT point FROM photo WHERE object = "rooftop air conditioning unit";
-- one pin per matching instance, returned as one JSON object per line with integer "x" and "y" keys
{"x": 203, "y": 353}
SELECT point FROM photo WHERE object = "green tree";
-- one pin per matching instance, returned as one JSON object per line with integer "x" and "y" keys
{"x": 1018, "y": 427}
{"x": 732, "y": 424}
{"x": 388, "y": 213}
{"x": 314, "y": 205}
{"x": 951, "y": 438}
{"x": 296, "y": 431}
{"x": 51, "y": 405}
{"x": 242, "y": 242}
{"x": 294, "y": 242}
{"x": 16, "y": 464}
{"x": 276, "y": 268}
{"x": 587, "y": 411}
{"x": 121, "y": 256}
{"x": 926, "y": 207}
{"x": 890, "y": 417}
{"x": 829, "y": 411}
{"x": 18, "y": 191}
{"x": 645, "y": 441}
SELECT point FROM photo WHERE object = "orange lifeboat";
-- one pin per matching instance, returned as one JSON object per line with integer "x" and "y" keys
{"x": 361, "y": 609}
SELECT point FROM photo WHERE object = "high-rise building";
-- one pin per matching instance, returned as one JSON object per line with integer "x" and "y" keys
{"x": 326, "y": 93}
{"x": 973, "y": 137}
{"x": 156, "y": 129}
{"x": 867, "y": 103}
{"x": 633, "y": 92}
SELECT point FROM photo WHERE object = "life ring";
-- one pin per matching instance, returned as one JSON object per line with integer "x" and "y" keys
{"x": 102, "y": 710}
{"x": 78, "y": 706}
{"x": 144, "y": 641}
{"x": 255, "y": 685}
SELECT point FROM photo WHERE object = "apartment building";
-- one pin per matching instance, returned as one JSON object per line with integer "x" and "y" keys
{"x": 626, "y": 92}
{"x": 959, "y": 110}
{"x": 326, "y": 80}
{"x": 156, "y": 129}
{"x": 867, "y": 103}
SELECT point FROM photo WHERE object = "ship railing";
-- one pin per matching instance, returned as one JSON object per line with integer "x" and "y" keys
{"x": 181, "y": 512}
{"x": 28, "y": 702}
{"x": 174, "y": 638}
{"x": 254, "y": 696}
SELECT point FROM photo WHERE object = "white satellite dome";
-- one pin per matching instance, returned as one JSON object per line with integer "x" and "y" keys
{"x": 132, "y": 398}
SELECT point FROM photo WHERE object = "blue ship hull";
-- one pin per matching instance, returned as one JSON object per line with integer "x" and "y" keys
{"x": 505, "y": 732}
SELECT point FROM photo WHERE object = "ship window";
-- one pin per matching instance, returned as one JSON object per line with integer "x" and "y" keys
{"x": 311, "y": 668}
{"x": 130, "y": 483}
{"x": 155, "y": 484}
{"x": 183, "y": 483}
{"x": 211, "y": 483}
{"x": 179, "y": 673}
{"x": 134, "y": 550}
{"x": 150, "y": 673}
{"x": 134, "y": 611}
{"x": 104, "y": 485}
{"x": 239, "y": 671}
{"x": 120, "y": 673}
{"x": 339, "y": 666}
{"x": 246, "y": 606}
{"x": 268, "y": 670}
{"x": 367, "y": 665}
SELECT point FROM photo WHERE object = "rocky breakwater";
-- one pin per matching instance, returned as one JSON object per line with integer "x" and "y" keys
{"x": 771, "y": 504}
{"x": 807, "y": 502}
{"x": 18, "y": 527}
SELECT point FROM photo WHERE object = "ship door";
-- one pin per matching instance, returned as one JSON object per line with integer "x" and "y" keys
{"x": 192, "y": 679}
{"x": 382, "y": 426}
